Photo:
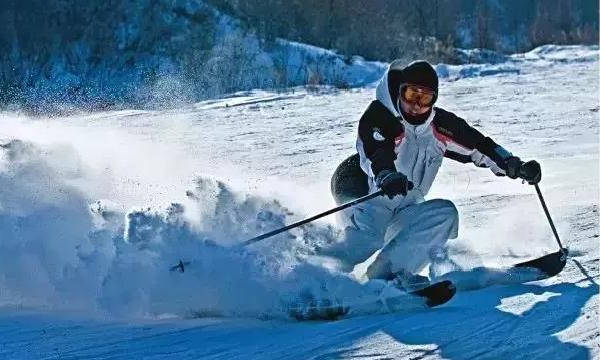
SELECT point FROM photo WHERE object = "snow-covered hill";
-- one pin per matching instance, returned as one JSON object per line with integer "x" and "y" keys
{"x": 95, "y": 208}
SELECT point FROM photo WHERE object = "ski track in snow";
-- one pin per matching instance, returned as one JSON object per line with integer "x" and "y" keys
{"x": 94, "y": 209}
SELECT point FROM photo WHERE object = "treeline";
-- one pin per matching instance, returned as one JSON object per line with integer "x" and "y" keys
{"x": 103, "y": 53}
{"x": 388, "y": 29}
{"x": 107, "y": 53}
{"x": 63, "y": 54}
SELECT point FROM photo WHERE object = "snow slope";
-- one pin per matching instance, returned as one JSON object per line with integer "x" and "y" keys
{"x": 95, "y": 208}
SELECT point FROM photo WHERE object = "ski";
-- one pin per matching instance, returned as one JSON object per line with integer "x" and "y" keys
{"x": 388, "y": 300}
{"x": 549, "y": 265}
{"x": 437, "y": 294}
{"x": 541, "y": 268}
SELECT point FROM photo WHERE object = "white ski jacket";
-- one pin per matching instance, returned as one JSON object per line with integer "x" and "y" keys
{"x": 386, "y": 141}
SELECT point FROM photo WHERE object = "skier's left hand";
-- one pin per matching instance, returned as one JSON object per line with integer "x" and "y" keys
{"x": 529, "y": 171}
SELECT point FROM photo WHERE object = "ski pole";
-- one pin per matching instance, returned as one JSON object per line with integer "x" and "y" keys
{"x": 539, "y": 192}
{"x": 302, "y": 222}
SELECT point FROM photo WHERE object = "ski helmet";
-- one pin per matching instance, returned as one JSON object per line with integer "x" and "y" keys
{"x": 421, "y": 73}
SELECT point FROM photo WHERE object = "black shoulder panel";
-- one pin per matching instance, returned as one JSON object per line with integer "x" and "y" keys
{"x": 456, "y": 128}
{"x": 377, "y": 129}
{"x": 463, "y": 134}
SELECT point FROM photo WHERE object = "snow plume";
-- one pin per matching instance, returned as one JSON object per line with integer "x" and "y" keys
{"x": 63, "y": 251}
{"x": 43, "y": 230}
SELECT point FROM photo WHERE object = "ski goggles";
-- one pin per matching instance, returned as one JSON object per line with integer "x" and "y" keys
{"x": 416, "y": 94}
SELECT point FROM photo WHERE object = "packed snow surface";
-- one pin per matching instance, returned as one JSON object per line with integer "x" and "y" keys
{"x": 96, "y": 208}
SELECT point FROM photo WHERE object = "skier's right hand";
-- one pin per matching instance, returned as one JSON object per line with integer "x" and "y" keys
{"x": 393, "y": 183}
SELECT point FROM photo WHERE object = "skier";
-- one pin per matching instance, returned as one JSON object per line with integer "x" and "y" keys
{"x": 402, "y": 139}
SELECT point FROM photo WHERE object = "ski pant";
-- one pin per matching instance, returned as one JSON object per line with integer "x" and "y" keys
{"x": 409, "y": 237}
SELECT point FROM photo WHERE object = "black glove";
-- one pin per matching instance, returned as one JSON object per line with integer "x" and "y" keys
{"x": 393, "y": 183}
{"x": 529, "y": 171}
{"x": 513, "y": 165}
